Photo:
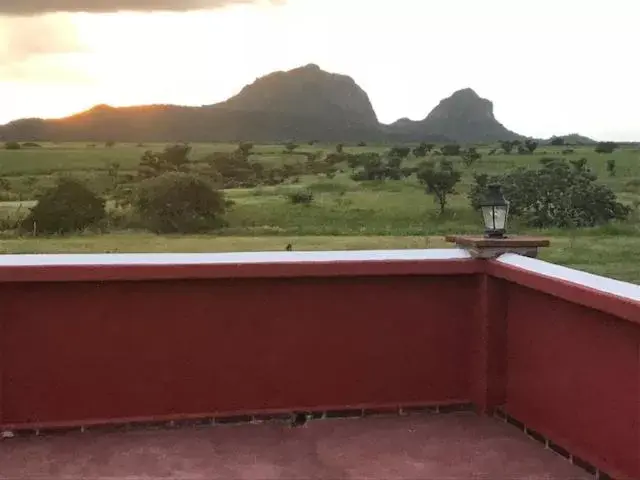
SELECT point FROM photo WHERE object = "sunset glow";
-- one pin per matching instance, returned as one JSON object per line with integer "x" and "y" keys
{"x": 549, "y": 67}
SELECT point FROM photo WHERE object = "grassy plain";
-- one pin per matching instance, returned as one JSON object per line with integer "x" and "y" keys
{"x": 344, "y": 214}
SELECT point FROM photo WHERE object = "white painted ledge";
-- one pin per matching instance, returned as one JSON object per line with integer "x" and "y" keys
{"x": 626, "y": 290}
{"x": 131, "y": 259}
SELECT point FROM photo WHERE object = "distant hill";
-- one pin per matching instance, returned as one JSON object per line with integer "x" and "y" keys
{"x": 302, "y": 104}
{"x": 463, "y": 117}
{"x": 574, "y": 139}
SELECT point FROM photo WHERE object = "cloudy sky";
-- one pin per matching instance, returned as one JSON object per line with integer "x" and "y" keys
{"x": 549, "y": 66}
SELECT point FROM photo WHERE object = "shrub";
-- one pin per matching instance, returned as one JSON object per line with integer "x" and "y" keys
{"x": 174, "y": 158}
{"x": 470, "y": 156}
{"x": 301, "y": 197}
{"x": 328, "y": 187}
{"x": 245, "y": 148}
{"x": 450, "y": 150}
{"x": 400, "y": 152}
{"x": 67, "y": 207}
{"x": 179, "y": 203}
{"x": 560, "y": 194}
{"x": 12, "y": 146}
{"x": 606, "y": 147}
{"x": 31, "y": 145}
{"x": 373, "y": 167}
{"x": 531, "y": 145}
{"x": 507, "y": 146}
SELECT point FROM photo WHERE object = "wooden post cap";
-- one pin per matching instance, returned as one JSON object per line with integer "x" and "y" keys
{"x": 484, "y": 247}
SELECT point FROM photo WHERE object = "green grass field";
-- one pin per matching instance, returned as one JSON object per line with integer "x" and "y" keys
{"x": 344, "y": 214}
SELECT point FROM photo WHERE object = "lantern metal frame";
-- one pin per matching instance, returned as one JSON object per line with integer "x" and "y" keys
{"x": 495, "y": 212}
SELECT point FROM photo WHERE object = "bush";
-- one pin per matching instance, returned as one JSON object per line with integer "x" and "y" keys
{"x": 31, "y": 145}
{"x": 470, "y": 156}
{"x": 560, "y": 194}
{"x": 174, "y": 158}
{"x": 179, "y": 203}
{"x": 301, "y": 197}
{"x": 400, "y": 152}
{"x": 450, "y": 150}
{"x": 328, "y": 187}
{"x": 12, "y": 146}
{"x": 606, "y": 147}
{"x": 373, "y": 167}
{"x": 67, "y": 207}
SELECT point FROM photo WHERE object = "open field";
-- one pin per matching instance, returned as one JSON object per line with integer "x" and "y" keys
{"x": 344, "y": 214}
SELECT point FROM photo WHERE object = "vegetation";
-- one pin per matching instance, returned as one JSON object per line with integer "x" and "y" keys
{"x": 179, "y": 203}
{"x": 558, "y": 194}
{"x": 314, "y": 191}
{"x": 440, "y": 179}
{"x": 67, "y": 207}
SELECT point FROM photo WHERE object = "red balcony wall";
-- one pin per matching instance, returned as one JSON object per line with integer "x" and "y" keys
{"x": 83, "y": 344}
{"x": 104, "y": 351}
{"x": 573, "y": 371}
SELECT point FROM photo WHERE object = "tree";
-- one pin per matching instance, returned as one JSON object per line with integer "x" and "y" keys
{"x": 557, "y": 141}
{"x": 440, "y": 179}
{"x": 290, "y": 147}
{"x": 419, "y": 152}
{"x": 245, "y": 148}
{"x": 470, "y": 156}
{"x": 67, "y": 207}
{"x": 507, "y": 146}
{"x": 606, "y": 147}
{"x": 174, "y": 158}
{"x": 450, "y": 150}
{"x": 558, "y": 194}
{"x": 339, "y": 148}
{"x": 423, "y": 149}
{"x": 179, "y": 203}
{"x": 110, "y": 144}
{"x": 401, "y": 152}
{"x": 611, "y": 167}
{"x": 375, "y": 168}
{"x": 12, "y": 146}
{"x": 531, "y": 145}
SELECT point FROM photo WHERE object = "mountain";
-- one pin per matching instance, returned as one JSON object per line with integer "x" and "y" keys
{"x": 302, "y": 104}
{"x": 463, "y": 117}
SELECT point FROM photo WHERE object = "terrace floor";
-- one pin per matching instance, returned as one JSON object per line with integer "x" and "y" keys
{"x": 418, "y": 446}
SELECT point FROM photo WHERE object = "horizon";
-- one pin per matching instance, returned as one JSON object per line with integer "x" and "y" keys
{"x": 543, "y": 68}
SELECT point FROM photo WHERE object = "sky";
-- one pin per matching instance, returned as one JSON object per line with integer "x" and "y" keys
{"x": 550, "y": 66}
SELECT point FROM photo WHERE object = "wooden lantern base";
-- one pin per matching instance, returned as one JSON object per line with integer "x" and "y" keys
{"x": 483, "y": 247}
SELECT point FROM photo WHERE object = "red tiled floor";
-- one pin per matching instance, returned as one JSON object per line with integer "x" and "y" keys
{"x": 451, "y": 446}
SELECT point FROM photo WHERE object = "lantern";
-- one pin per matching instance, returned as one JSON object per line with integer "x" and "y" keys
{"x": 495, "y": 210}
